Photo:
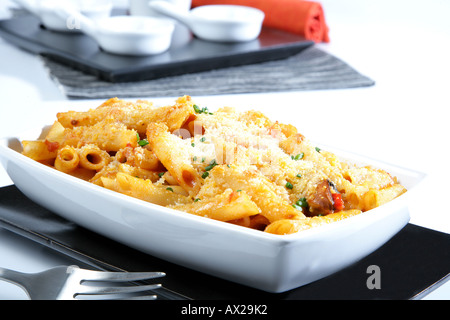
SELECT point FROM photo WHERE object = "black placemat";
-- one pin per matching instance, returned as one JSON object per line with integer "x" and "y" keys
{"x": 186, "y": 54}
{"x": 279, "y": 62}
{"x": 411, "y": 263}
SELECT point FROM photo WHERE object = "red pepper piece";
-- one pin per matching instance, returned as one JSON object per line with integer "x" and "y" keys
{"x": 338, "y": 202}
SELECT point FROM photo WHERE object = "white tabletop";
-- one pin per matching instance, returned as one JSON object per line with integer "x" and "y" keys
{"x": 403, "y": 45}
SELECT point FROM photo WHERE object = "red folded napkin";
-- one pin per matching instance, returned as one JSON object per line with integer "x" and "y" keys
{"x": 305, "y": 18}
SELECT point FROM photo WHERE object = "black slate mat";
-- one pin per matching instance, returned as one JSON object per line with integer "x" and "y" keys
{"x": 186, "y": 54}
{"x": 276, "y": 62}
{"x": 411, "y": 264}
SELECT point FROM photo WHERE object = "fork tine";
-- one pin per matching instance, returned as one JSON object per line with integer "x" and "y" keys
{"x": 114, "y": 297}
{"x": 87, "y": 290}
{"x": 153, "y": 297}
{"x": 92, "y": 275}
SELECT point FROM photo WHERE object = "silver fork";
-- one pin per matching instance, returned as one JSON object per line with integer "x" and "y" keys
{"x": 72, "y": 282}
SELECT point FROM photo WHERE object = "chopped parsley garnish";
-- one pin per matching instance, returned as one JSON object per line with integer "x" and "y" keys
{"x": 211, "y": 165}
{"x": 161, "y": 174}
{"x": 169, "y": 188}
{"x": 202, "y": 139}
{"x": 204, "y": 110}
{"x": 289, "y": 185}
{"x": 317, "y": 149}
{"x": 197, "y": 199}
{"x": 142, "y": 142}
{"x": 298, "y": 156}
{"x": 299, "y": 175}
{"x": 302, "y": 203}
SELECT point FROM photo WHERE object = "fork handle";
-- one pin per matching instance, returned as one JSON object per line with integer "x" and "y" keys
{"x": 14, "y": 277}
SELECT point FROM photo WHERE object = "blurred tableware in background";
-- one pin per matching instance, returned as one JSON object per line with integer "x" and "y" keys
{"x": 44, "y": 10}
{"x": 305, "y": 18}
{"x": 124, "y": 35}
{"x": 222, "y": 23}
{"x": 142, "y": 8}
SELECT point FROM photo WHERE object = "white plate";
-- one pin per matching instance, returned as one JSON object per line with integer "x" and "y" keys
{"x": 265, "y": 261}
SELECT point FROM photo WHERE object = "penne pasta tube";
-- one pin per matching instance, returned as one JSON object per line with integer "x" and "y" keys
{"x": 170, "y": 179}
{"x": 135, "y": 116}
{"x": 126, "y": 112}
{"x": 82, "y": 173}
{"x": 174, "y": 157}
{"x": 146, "y": 159}
{"x": 139, "y": 157}
{"x": 107, "y": 135}
{"x": 143, "y": 189}
{"x": 226, "y": 206}
{"x": 289, "y": 226}
{"x": 56, "y": 133}
{"x": 175, "y": 189}
{"x": 173, "y": 116}
{"x": 375, "y": 198}
{"x": 114, "y": 167}
{"x": 38, "y": 150}
{"x": 67, "y": 159}
{"x": 93, "y": 158}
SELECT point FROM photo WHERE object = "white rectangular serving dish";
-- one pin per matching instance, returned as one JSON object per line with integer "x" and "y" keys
{"x": 264, "y": 261}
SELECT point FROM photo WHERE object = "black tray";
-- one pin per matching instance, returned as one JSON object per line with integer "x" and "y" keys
{"x": 412, "y": 263}
{"x": 187, "y": 54}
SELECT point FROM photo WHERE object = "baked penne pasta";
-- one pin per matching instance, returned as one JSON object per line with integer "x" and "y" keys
{"x": 241, "y": 168}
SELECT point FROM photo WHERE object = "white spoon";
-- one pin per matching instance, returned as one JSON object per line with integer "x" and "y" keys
{"x": 125, "y": 35}
{"x": 44, "y": 11}
{"x": 222, "y": 23}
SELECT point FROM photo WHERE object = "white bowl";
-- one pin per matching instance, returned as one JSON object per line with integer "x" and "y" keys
{"x": 134, "y": 35}
{"x": 221, "y": 23}
{"x": 227, "y": 22}
{"x": 264, "y": 261}
{"x": 124, "y": 35}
